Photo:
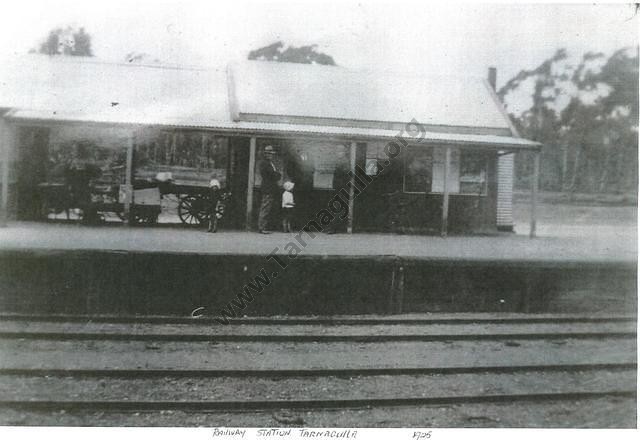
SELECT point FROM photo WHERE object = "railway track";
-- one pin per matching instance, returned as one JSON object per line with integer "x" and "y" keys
{"x": 114, "y": 370}
{"x": 302, "y": 330}
{"x": 408, "y": 319}
{"x": 242, "y": 406}
{"x": 83, "y": 336}
{"x": 305, "y": 372}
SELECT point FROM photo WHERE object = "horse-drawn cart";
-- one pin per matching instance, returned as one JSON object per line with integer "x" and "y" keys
{"x": 102, "y": 198}
{"x": 197, "y": 202}
{"x": 99, "y": 203}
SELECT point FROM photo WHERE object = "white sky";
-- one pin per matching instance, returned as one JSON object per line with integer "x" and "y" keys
{"x": 400, "y": 36}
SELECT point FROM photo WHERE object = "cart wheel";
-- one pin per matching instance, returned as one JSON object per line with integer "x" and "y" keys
{"x": 193, "y": 210}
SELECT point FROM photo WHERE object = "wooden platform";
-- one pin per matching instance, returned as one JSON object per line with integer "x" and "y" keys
{"x": 595, "y": 246}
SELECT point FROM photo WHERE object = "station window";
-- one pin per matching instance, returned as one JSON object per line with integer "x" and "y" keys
{"x": 473, "y": 173}
{"x": 424, "y": 171}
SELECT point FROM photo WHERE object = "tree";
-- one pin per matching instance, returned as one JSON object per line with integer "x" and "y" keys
{"x": 586, "y": 116}
{"x": 66, "y": 41}
{"x": 303, "y": 54}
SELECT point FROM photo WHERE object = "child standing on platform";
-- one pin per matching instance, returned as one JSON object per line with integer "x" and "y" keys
{"x": 288, "y": 206}
{"x": 212, "y": 210}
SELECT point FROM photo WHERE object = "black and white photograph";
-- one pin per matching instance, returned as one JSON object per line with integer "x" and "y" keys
{"x": 318, "y": 220}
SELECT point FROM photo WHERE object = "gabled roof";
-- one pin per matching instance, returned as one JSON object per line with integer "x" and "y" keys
{"x": 246, "y": 98}
{"x": 86, "y": 89}
{"x": 331, "y": 92}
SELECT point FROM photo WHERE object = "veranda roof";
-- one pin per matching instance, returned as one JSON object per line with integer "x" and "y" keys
{"x": 331, "y": 101}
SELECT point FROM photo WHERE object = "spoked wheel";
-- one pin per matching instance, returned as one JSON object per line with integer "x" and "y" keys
{"x": 193, "y": 210}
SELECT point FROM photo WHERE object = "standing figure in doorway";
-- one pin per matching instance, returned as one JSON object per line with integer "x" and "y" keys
{"x": 341, "y": 180}
{"x": 298, "y": 169}
{"x": 79, "y": 175}
{"x": 269, "y": 189}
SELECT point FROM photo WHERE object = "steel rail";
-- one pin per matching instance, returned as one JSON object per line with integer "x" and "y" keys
{"x": 257, "y": 405}
{"x": 353, "y": 320}
{"x": 299, "y": 338}
{"x": 310, "y": 372}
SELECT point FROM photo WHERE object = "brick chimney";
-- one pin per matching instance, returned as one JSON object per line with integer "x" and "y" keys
{"x": 492, "y": 77}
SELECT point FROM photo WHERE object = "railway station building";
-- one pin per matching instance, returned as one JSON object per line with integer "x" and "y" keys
{"x": 137, "y": 123}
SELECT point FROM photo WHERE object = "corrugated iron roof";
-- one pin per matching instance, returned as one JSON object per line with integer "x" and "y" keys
{"x": 264, "y": 128}
{"x": 69, "y": 89}
{"x": 107, "y": 91}
{"x": 331, "y": 92}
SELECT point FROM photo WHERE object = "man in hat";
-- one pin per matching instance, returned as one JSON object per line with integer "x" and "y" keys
{"x": 269, "y": 188}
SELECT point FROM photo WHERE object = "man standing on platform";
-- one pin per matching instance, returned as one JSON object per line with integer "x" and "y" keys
{"x": 269, "y": 188}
